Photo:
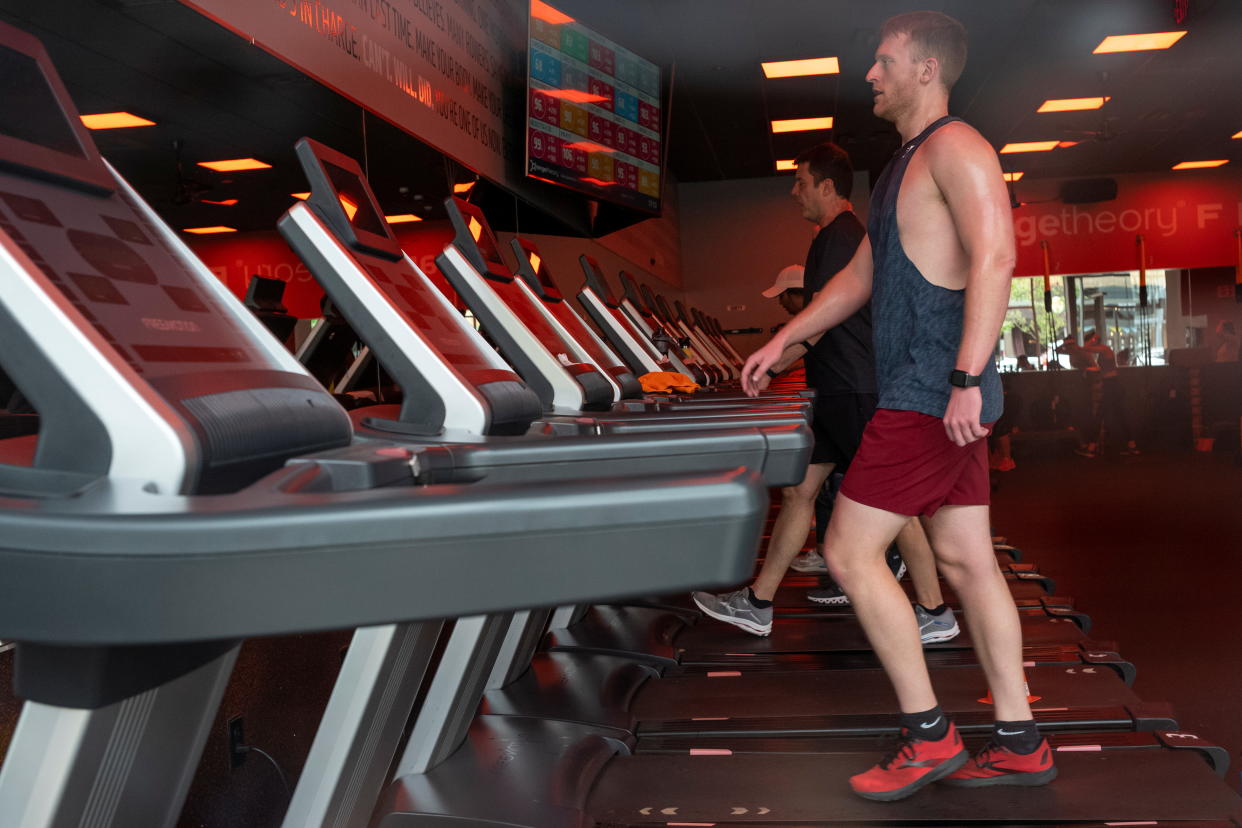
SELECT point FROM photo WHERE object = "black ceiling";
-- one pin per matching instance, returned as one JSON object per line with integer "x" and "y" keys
{"x": 221, "y": 97}
{"x": 1167, "y": 106}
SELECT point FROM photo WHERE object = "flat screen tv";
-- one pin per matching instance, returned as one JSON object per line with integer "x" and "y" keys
{"x": 593, "y": 119}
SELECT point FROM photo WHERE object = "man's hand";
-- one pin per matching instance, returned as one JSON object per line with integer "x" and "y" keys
{"x": 755, "y": 372}
{"x": 961, "y": 418}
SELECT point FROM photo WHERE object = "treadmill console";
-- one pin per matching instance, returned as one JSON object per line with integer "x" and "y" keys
{"x": 151, "y": 348}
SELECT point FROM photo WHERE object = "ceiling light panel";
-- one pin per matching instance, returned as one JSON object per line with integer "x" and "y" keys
{"x": 801, "y": 124}
{"x": 1072, "y": 104}
{"x": 235, "y": 165}
{"x": 1137, "y": 42}
{"x": 797, "y": 68}
{"x": 1029, "y": 146}
{"x": 114, "y": 120}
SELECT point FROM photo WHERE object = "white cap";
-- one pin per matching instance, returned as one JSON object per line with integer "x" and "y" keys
{"x": 789, "y": 277}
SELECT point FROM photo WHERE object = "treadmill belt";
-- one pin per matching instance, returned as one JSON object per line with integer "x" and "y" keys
{"x": 831, "y": 633}
{"x": 792, "y": 594}
{"x": 1102, "y": 786}
{"x": 772, "y": 695}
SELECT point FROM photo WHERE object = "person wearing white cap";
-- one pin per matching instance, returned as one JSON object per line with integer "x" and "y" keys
{"x": 840, "y": 366}
{"x": 787, "y": 289}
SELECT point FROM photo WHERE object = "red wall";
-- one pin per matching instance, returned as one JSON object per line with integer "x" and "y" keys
{"x": 1187, "y": 220}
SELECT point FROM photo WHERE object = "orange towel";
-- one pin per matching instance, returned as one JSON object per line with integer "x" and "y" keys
{"x": 665, "y": 382}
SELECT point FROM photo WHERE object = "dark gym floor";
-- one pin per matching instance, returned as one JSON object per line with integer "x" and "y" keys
{"x": 1151, "y": 548}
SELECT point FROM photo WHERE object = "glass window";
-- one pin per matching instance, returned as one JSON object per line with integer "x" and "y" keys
{"x": 1107, "y": 303}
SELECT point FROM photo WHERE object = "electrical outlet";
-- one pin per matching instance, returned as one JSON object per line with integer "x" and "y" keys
{"x": 237, "y": 742}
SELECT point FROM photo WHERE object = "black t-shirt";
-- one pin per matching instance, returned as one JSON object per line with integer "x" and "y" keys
{"x": 843, "y": 361}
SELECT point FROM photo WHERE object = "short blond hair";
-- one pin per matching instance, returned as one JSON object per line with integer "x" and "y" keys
{"x": 932, "y": 34}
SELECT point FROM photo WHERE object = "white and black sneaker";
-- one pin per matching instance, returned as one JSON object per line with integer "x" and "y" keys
{"x": 735, "y": 608}
{"x": 831, "y": 596}
{"x": 895, "y": 563}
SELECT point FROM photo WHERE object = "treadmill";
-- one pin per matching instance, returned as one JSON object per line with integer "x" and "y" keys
{"x": 533, "y": 272}
{"x": 459, "y": 394}
{"x": 640, "y": 314}
{"x": 156, "y": 523}
{"x": 551, "y": 363}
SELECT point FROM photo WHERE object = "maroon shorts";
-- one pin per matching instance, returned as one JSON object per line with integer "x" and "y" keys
{"x": 907, "y": 464}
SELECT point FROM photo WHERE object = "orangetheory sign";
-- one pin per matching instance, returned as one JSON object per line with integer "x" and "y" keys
{"x": 435, "y": 68}
{"x": 1186, "y": 219}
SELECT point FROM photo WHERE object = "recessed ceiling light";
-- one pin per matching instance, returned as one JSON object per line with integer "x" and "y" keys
{"x": 1067, "y": 144}
{"x": 1137, "y": 42}
{"x": 1072, "y": 104}
{"x": 300, "y": 196}
{"x": 796, "y": 68}
{"x": 1030, "y": 146}
{"x": 402, "y": 218}
{"x": 235, "y": 165}
{"x": 786, "y": 165}
{"x": 228, "y": 202}
{"x": 801, "y": 124}
{"x": 1013, "y": 176}
{"x": 114, "y": 120}
{"x": 544, "y": 12}
{"x": 464, "y": 187}
{"x": 1199, "y": 165}
{"x": 202, "y": 231}
{"x": 1238, "y": 134}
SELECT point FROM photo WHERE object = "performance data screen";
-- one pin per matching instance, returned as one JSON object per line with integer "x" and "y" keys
{"x": 594, "y": 121}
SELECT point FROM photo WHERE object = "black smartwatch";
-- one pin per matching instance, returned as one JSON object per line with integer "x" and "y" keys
{"x": 772, "y": 374}
{"x": 961, "y": 379}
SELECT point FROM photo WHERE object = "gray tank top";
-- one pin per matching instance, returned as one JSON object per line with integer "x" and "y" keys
{"x": 918, "y": 325}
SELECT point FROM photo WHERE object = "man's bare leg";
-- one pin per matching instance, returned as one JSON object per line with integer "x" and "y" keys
{"x": 793, "y": 522}
{"x": 858, "y": 536}
{"x": 920, "y": 561}
{"x": 961, "y": 538}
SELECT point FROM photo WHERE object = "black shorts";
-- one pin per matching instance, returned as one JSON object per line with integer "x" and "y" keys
{"x": 838, "y": 425}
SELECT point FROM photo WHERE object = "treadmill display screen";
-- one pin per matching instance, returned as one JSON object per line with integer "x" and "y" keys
{"x": 31, "y": 112}
{"x": 486, "y": 242}
{"x": 355, "y": 200}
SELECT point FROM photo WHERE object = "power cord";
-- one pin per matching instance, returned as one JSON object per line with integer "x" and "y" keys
{"x": 284, "y": 780}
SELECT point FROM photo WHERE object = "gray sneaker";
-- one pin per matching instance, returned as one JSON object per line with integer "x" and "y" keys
{"x": 735, "y": 608}
{"x": 809, "y": 562}
{"x": 933, "y": 628}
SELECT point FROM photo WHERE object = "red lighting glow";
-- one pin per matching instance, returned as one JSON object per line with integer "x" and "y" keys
{"x": 228, "y": 202}
{"x": 574, "y": 95}
{"x": 599, "y": 183}
{"x": 589, "y": 146}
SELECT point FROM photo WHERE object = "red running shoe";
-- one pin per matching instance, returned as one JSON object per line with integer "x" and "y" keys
{"x": 913, "y": 764}
{"x": 995, "y": 765}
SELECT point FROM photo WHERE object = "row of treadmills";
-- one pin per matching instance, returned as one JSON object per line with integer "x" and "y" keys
{"x": 192, "y": 485}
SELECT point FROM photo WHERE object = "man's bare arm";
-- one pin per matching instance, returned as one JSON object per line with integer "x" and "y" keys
{"x": 966, "y": 170}
{"x": 845, "y": 293}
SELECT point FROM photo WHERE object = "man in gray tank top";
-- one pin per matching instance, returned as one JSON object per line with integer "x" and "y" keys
{"x": 936, "y": 268}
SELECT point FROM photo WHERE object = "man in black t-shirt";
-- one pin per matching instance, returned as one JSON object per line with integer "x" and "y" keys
{"x": 840, "y": 366}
